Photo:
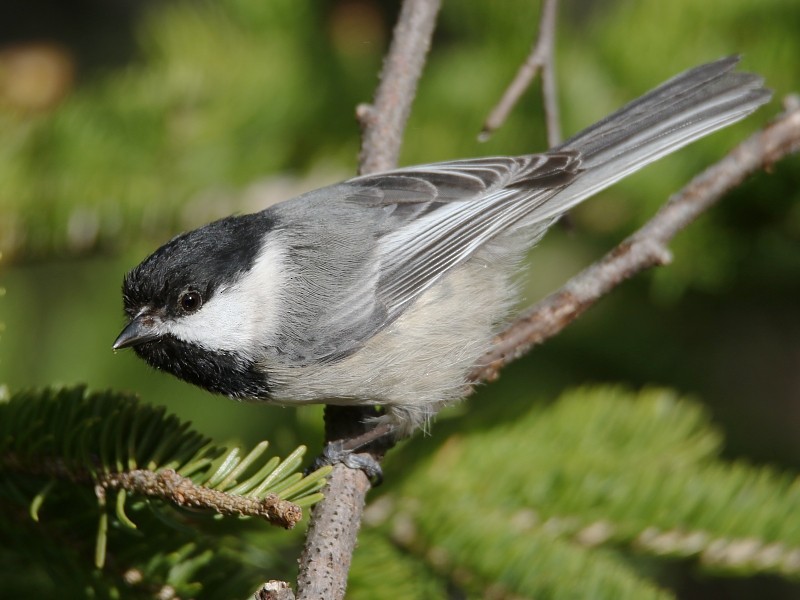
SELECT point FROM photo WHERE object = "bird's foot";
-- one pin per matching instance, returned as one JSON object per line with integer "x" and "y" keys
{"x": 351, "y": 452}
{"x": 335, "y": 452}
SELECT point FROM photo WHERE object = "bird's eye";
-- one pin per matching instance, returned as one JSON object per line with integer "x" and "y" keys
{"x": 190, "y": 301}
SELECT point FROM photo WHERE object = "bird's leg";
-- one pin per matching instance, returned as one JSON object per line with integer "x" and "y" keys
{"x": 339, "y": 451}
{"x": 357, "y": 448}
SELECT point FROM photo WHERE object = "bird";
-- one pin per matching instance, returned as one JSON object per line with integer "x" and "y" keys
{"x": 386, "y": 289}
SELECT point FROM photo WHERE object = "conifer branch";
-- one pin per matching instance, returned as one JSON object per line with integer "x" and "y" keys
{"x": 605, "y": 468}
{"x": 181, "y": 491}
{"x": 165, "y": 485}
{"x": 108, "y": 441}
{"x": 722, "y": 554}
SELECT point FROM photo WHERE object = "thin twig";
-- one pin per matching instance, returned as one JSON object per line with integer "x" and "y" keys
{"x": 645, "y": 248}
{"x": 335, "y": 521}
{"x": 166, "y": 485}
{"x": 169, "y": 485}
{"x": 384, "y": 121}
{"x": 541, "y": 57}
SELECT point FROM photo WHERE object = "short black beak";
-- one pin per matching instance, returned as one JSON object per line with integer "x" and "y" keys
{"x": 142, "y": 329}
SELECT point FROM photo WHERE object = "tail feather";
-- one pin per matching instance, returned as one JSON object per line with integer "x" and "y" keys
{"x": 683, "y": 109}
{"x": 695, "y": 91}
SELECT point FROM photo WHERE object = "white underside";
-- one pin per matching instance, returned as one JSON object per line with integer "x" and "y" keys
{"x": 420, "y": 362}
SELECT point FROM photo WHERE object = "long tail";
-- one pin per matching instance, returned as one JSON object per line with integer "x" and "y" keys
{"x": 683, "y": 109}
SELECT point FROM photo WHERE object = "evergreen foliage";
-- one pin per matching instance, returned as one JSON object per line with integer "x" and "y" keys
{"x": 556, "y": 504}
{"x": 60, "y": 448}
{"x": 591, "y": 496}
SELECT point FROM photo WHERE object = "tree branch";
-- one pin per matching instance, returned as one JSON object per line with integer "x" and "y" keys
{"x": 182, "y": 491}
{"x": 383, "y": 122}
{"x": 335, "y": 521}
{"x": 167, "y": 485}
{"x": 542, "y": 57}
{"x": 645, "y": 248}
{"x": 331, "y": 538}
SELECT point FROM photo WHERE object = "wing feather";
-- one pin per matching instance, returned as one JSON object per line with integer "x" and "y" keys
{"x": 434, "y": 217}
{"x": 453, "y": 208}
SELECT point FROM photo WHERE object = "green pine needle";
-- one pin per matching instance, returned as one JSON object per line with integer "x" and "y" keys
{"x": 95, "y": 441}
{"x": 545, "y": 504}
{"x": 80, "y": 435}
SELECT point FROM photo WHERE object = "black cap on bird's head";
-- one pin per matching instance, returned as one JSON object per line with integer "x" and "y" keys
{"x": 176, "y": 281}
{"x": 200, "y": 260}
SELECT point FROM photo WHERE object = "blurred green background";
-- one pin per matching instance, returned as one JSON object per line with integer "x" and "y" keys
{"x": 123, "y": 122}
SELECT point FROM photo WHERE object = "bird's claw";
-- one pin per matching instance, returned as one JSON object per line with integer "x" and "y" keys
{"x": 335, "y": 452}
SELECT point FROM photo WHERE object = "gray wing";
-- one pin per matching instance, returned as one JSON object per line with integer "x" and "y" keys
{"x": 438, "y": 215}
{"x": 470, "y": 202}
{"x": 386, "y": 238}
{"x": 420, "y": 223}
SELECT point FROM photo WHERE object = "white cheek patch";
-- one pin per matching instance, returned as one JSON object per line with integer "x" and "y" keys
{"x": 242, "y": 317}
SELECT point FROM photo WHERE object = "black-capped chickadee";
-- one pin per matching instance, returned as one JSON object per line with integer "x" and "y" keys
{"x": 386, "y": 289}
